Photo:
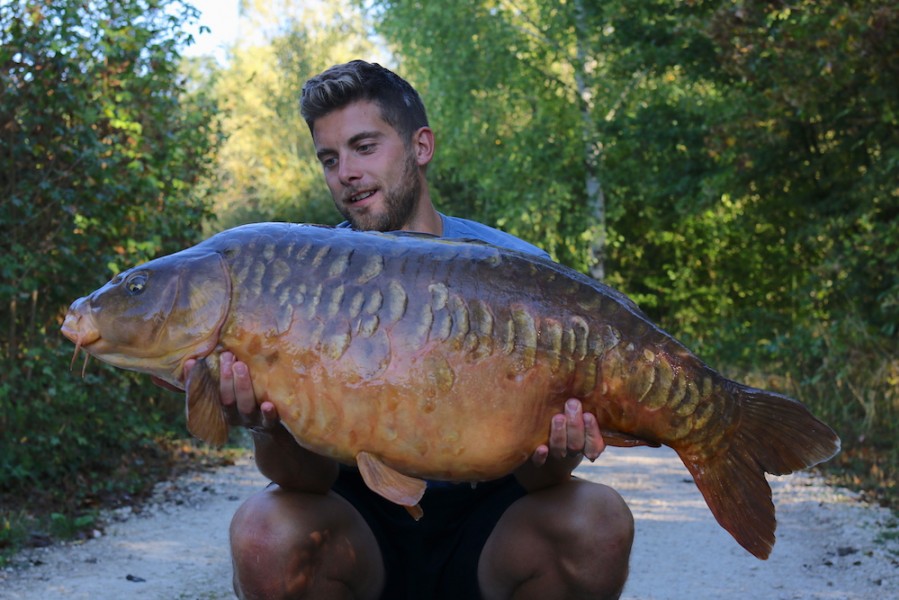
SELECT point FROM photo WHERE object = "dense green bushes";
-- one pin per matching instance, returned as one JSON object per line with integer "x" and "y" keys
{"x": 102, "y": 150}
{"x": 80, "y": 440}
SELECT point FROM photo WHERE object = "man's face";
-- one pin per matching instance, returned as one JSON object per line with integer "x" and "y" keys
{"x": 373, "y": 177}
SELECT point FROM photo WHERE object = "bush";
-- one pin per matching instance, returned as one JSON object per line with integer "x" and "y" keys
{"x": 104, "y": 149}
{"x": 849, "y": 374}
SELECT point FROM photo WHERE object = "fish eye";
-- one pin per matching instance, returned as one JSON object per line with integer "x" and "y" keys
{"x": 136, "y": 283}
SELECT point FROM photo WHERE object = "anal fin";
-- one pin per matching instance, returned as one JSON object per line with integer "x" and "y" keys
{"x": 391, "y": 484}
{"x": 205, "y": 416}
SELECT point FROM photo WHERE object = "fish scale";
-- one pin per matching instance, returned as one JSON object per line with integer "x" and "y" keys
{"x": 416, "y": 358}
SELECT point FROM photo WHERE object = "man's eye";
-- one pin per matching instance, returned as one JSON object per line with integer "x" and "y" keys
{"x": 136, "y": 284}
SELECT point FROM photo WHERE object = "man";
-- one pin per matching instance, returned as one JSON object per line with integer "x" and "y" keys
{"x": 317, "y": 531}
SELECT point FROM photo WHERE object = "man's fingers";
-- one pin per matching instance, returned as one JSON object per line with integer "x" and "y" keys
{"x": 226, "y": 379}
{"x": 540, "y": 455}
{"x": 572, "y": 433}
{"x": 243, "y": 389}
{"x": 558, "y": 437}
{"x": 574, "y": 426}
{"x": 270, "y": 416}
{"x": 594, "y": 444}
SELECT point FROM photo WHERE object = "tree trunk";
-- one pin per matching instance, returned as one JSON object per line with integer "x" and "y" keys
{"x": 595, "y": 198}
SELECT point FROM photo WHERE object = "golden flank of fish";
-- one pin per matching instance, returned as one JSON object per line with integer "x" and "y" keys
{"x": 420, "y": 358}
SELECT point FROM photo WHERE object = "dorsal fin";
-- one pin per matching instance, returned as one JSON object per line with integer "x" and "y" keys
{"x": 391, "y": 484}
{"x": 205, "y": 415}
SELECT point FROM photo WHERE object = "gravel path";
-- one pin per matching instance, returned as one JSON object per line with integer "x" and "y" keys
{"x": 830, "y": 546}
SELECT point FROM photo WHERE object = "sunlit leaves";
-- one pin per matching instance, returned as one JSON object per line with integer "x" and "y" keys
{"x": 268, "y": 163}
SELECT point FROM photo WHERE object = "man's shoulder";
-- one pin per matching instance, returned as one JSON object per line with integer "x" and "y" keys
{"x": 459, "y": 228}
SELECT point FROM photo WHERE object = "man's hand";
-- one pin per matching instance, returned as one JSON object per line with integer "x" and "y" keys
{"x": 239, "y": 399}
{"x": 237, "y": 396}
{"x": 573, "y": 435}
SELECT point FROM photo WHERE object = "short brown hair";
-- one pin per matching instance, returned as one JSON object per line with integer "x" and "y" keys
{"x": 401, "y": 106}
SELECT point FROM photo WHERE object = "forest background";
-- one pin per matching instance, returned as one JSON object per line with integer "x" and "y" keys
{"x": 733, "y": 166}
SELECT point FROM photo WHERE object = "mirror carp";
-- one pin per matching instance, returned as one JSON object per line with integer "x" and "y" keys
{"x": 415, "y": 357}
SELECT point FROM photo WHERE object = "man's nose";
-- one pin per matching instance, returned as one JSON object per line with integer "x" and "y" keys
{"x": 348, "y": 171}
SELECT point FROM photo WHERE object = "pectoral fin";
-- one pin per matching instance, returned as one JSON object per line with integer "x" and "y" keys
{"x": 393, "y": 485}
{"x": 205, "y": 416}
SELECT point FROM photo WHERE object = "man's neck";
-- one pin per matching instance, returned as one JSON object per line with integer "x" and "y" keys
{"x": 426, "y": 218}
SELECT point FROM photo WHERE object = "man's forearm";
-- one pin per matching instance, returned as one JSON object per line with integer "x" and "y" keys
{"x": 291, "y": 466}
{"x": 553, "y": 472}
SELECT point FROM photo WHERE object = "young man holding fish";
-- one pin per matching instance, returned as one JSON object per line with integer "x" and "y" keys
{"x": 318, "y": 531}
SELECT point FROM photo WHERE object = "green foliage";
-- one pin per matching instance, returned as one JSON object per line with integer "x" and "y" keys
{"x": 850, "y": 375}
{"x": 763, "y": 208}
{"x": 268, "y": 164}
{"x": 747, "y": 154}
{"x": 824, "y": 160}
{"x": 506, "y": 109}
{"x": 104, "y": 151}
{"x": 70, "y": 429}
{"x": 65, "y": 527}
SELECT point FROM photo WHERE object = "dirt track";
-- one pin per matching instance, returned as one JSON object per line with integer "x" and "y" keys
{"x": 829, "y": 545}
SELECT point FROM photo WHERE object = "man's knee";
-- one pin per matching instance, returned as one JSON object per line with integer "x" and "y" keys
{"x": 601, "y": 528}
{"x": 263, "y": 538}
{"x": 579, "y": 537}
{"x": 291, "y": 545}
{"x": 257, "y": 526}
{"x": 602, "y": 511}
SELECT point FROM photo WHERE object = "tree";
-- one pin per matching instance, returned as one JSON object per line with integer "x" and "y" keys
{"x": 826, "y": 157}
{"x": 103, "y": 156}
{"x": 268, "y": 165}
{"x": 821, "y": 166}
{"x": 746, "y": 154}
{"x": 518, "y": 93}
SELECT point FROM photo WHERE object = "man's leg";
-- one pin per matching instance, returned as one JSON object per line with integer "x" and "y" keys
{"x": 289, "y": 545}
{"x": 569, "y": 541}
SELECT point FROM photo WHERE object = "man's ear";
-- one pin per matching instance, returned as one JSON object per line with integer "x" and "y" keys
{"x": 423, "y": 145}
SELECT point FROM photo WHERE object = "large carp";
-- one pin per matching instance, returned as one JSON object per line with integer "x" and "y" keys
{"x": 416, "y": 358}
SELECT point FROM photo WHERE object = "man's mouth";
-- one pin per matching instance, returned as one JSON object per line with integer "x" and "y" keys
{"x": 360, "y": 196}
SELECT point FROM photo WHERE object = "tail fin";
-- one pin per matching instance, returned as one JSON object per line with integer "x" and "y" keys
{"x": 773, "y": 434}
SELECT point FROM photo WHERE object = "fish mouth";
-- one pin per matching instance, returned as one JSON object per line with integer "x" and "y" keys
{"x": 80, "y": 330}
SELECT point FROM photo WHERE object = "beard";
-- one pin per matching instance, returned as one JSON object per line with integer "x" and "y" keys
{"x": 400, "y": 202}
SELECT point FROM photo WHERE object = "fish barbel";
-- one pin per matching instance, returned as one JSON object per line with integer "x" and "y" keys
{"x": 415, "y": 357}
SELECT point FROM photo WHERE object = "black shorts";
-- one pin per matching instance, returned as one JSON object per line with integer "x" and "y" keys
{"x": 437, "y": 556}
